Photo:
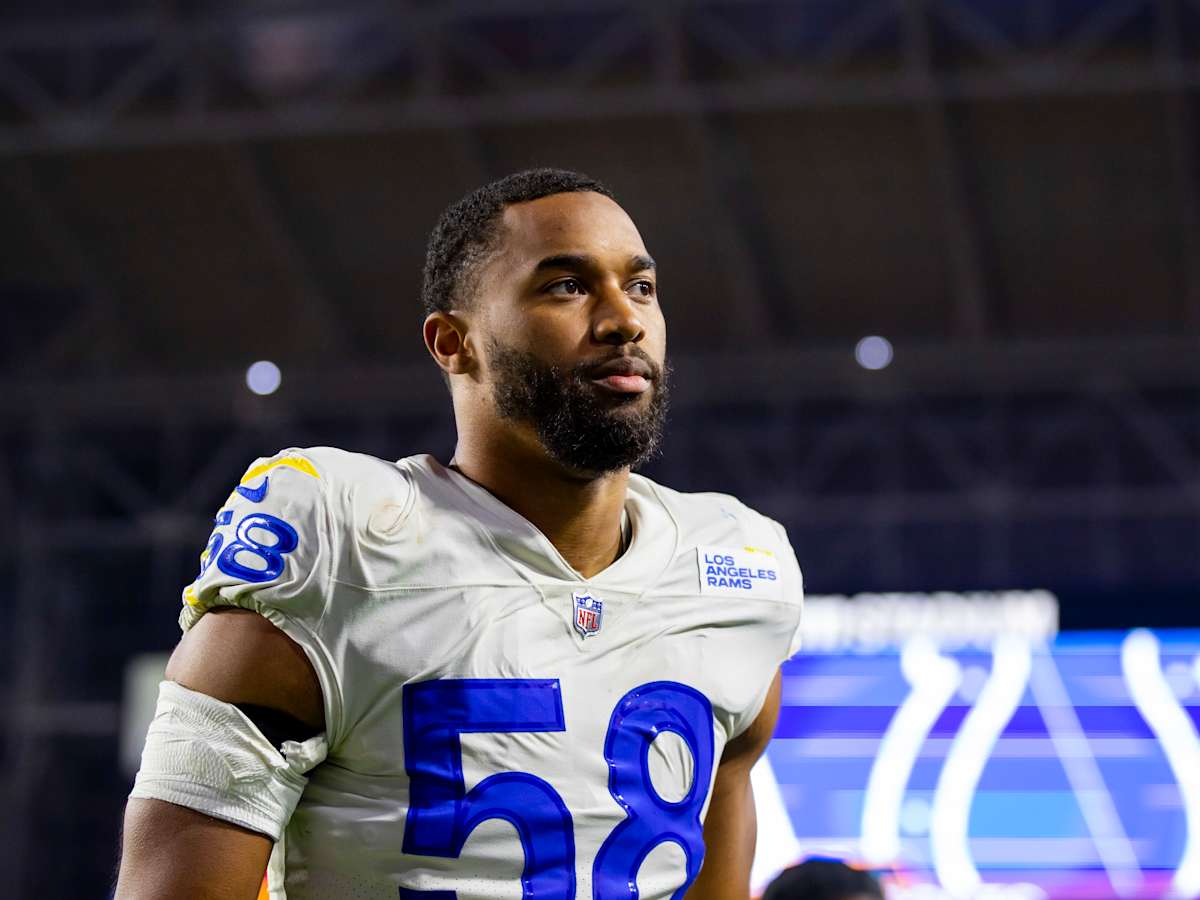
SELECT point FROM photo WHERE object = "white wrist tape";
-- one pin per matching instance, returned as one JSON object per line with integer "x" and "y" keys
{"x": 209, "y": 756}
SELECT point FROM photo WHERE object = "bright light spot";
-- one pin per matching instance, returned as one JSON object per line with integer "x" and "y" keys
{"x": 914, "y": 816}
{"x": 263, "y": 377}
{"x": 873, "y": 352}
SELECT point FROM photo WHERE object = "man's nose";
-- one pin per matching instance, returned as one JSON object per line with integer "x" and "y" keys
{"x": 617, "y": 319}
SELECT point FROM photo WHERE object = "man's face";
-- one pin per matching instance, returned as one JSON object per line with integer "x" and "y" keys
{"x": 573, "y": 338}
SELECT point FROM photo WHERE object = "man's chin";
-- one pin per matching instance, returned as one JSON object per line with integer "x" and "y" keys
{"x": 576, "y": 472}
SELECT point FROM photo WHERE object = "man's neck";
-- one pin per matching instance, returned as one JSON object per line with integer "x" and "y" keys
{"x": 580, "y": 516}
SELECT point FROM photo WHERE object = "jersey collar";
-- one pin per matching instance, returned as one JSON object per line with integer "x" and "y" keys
{"x": 652, "y": 548}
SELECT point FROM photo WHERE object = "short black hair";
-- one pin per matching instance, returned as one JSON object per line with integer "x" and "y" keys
{"x": 467, "y": 229}
{"x": 822, "y": 879}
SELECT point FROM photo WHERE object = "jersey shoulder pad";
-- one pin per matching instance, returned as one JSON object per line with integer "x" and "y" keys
{"x": 710, "y": 517}
{"x": 273, "y": 541}
{"x": 365, "y": 493}
{"x": 723, "y": 527}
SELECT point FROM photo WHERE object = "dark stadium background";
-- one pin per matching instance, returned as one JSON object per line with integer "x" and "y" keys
{"x": 1004, "y": 189}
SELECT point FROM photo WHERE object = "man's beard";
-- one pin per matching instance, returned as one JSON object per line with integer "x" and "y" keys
{"x": 581, "y": 426}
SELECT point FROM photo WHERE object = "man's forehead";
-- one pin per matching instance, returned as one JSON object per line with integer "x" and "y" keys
{"x": 577, "y": 222}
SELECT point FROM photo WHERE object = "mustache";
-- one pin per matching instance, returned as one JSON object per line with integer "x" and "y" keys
{"x": 584, "y": 370}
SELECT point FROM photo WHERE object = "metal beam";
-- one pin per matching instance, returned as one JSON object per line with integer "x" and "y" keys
{"x": 779, "y": 374}
{"x": 98, "y": 314}
{"x": 422, "y": 99}
{"x": 263, "y": 206}
{"x": 1182, "y": 149}
{"x": 27, "y": 686}
{"x": 877, "y": 466}
{"x": 417, "y": 113}
{"x": 759, "y": 293}
{"x": 959, "y": 229}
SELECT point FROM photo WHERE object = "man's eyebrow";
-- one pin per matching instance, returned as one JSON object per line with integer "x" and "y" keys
{"x": 574, "y": 261}
{"x": 580, "y": 261}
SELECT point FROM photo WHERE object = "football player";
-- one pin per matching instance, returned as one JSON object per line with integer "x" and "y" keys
{"x": 520, "y": 673}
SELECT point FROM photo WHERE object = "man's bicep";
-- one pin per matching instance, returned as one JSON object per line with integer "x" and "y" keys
{"x": 239, "y": 657}
{"x": 170, "y": 851}
{"x": 190, "y": 828}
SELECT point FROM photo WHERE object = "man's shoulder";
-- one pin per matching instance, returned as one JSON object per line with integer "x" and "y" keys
{"x": 353, "y": 488}
{"x": 703, "y": 512}
{"x": 331, "y": 470}
{"x": 335, "y": 465}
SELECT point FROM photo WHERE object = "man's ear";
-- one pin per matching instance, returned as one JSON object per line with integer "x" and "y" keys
{"x": 446, "y": 340}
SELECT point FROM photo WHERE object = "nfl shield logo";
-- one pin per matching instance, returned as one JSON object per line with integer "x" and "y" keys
{"x": 589, "y": 611}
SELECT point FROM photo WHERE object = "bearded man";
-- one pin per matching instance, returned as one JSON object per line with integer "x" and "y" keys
{"x": 524, "y": 672}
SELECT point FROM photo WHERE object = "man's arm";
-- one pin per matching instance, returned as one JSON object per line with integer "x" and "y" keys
{"x": 170, "y": 851}
{"x": 730, "y": 829}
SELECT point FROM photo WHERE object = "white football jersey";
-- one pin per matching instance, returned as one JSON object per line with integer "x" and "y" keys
{"x": 497, "y": 725}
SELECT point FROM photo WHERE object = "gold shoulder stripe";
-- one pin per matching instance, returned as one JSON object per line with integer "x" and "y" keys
{"x": 299, "y": 463}
{"x": 758, "y": 550}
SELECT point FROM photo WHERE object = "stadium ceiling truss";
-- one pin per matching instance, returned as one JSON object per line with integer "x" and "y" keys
{"x": 155, "y": 77}
{"x": 849, "y": 460}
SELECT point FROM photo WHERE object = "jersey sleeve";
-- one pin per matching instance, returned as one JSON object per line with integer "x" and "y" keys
{"x": 793, "y": 594}
{"x": 776, "y": 629}
{"x": 272, "y": 551}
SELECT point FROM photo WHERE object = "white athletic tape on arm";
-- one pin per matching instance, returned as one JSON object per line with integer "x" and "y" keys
{"x": 209, "y": 756}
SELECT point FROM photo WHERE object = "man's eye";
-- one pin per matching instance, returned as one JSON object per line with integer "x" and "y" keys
{"x": 644, "y": 288}
{"x": 569, "y": 286}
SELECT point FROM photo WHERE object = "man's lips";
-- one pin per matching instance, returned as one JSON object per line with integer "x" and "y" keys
{"x": 625, "y": 384}
{"x": 624, "y": 375}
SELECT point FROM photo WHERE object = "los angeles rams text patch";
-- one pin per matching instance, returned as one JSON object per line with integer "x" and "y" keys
{"x": 739, "y": 572}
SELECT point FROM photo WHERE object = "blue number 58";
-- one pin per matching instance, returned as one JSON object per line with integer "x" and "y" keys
{"x": 442, "y": 813}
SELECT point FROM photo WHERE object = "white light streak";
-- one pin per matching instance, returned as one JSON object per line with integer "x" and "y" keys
{"x": 1176, "y": 734}
{"x": 934, "y": 679}
{"x": 777, "y": 847}
{"x": 1011, "y": 662}
{"x": 1113, "y": 846}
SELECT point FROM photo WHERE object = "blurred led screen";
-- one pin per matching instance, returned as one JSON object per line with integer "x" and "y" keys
{"x": 1063, "y": 768}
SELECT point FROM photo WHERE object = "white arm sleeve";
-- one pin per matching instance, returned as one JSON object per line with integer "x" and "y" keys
{"x": 207, "y": 755}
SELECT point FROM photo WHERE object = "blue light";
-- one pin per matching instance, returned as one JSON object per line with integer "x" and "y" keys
{"x": 263, "y": 377}
{"x": 873, "y": 352}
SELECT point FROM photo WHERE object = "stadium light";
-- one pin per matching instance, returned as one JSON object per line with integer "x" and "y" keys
{"x": 263, "y": 377}
{"x": 873, "y": 352}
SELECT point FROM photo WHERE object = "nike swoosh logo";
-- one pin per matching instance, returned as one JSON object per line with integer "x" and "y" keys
{"x": 255, "y": 495}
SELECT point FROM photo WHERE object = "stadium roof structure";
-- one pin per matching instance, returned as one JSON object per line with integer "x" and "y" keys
{"x": 1005, "y": 189}
{"x": 188, "y": 187}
